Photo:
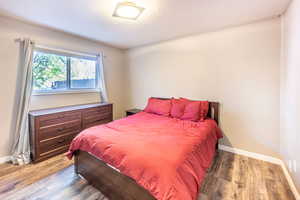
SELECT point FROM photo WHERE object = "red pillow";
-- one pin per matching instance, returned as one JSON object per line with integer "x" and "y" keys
{"x": 191, "y": 111}
{"x": 178, "y": 107}
{"x": 158, "y": 106}
{"x": 202, "y": 110}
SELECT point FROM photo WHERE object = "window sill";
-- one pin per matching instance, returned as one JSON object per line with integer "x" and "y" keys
{"x": 44, "y": 93}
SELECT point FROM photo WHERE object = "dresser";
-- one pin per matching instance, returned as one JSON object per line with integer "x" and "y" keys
{"x": 52, "y": 130}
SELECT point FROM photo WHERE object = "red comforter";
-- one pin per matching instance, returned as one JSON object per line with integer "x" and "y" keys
{"x": 167, "y": 156}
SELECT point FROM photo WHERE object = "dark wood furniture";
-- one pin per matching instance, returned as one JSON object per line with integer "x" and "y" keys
{"x": 52, "y": 130}
{"x": 132, "y": 111}
{"x": 113, "y": 184}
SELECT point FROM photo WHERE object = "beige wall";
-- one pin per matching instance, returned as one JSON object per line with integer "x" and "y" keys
{"x": 11, "y": 29}
{"x": 238, "y": 67}
{"x": 290, "y": 89}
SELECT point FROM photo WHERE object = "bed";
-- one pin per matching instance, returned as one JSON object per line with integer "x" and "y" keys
{"x": 147, "y": 157}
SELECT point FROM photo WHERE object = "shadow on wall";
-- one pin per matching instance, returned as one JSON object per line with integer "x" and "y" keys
{"x": 238, "y": 133}
{"x": 224, "y": 140}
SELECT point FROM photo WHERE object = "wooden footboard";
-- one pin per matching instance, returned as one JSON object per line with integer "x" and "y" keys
{"x": 111, "y": 183}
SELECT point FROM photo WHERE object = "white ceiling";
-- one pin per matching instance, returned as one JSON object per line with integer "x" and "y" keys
{"x": 161, "y": 20}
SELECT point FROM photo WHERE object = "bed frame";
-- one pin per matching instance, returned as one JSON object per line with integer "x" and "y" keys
{"x": 110, "y": 182}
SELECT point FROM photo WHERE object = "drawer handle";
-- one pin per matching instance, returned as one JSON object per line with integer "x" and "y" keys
{"x": 61, "y": 141}
{"x": 97, "y": 120}
{"x": 60, "y": 129}
{"x": 100, "y": 119}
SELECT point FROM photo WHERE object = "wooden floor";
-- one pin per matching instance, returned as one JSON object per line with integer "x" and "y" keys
{"x": 230, "y": 177}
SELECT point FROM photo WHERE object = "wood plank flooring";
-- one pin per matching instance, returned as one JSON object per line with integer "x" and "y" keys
{"x": 231, "y": 177}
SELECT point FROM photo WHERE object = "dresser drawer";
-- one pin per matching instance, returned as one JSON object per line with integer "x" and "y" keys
{"x": 54, "y": 144}
{"x": 59, "y": 129}
{"x": 95, "y": 118}
{"x": 97, "y": 111}
{"x": 57, "y": 118}
{"x": 49, "y": 154}
{"x": 96, "y": 123}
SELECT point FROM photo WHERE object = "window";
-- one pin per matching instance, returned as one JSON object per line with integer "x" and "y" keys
{"x": 56, "y": 72}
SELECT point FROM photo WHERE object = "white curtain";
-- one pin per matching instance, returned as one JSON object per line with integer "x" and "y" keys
{"x": 101, "y": 82}
{"x": 21, "y": 146}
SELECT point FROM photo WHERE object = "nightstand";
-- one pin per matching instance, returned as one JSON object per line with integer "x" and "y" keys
{"x": 132, "y": 111}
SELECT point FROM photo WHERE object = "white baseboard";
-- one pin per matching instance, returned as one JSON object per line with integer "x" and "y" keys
{"x": 290, "y": 181}
{"x": 251, "y": 154}
{"x": 5, "y": 159}
{"x": 267, "y": 159}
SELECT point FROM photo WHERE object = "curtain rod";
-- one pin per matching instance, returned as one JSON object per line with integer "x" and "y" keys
{"x": 18, "y": 40}
{"x": 63, "y": 50}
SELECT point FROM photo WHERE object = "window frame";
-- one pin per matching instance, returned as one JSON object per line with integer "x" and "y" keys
{"x": 68, "y": 55}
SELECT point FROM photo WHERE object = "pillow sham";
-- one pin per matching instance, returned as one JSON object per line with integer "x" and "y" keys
{"x": 201, "y": 111}
{"x": 158, "y": 106}
{"x": 177, "y": 108}
{"x": 191, "y": 111}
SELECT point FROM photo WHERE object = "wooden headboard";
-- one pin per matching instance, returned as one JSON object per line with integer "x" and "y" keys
{"x": 213, "y": 111}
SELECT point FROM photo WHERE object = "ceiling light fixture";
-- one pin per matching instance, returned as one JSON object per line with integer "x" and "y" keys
{"x": 128, "y": 10}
